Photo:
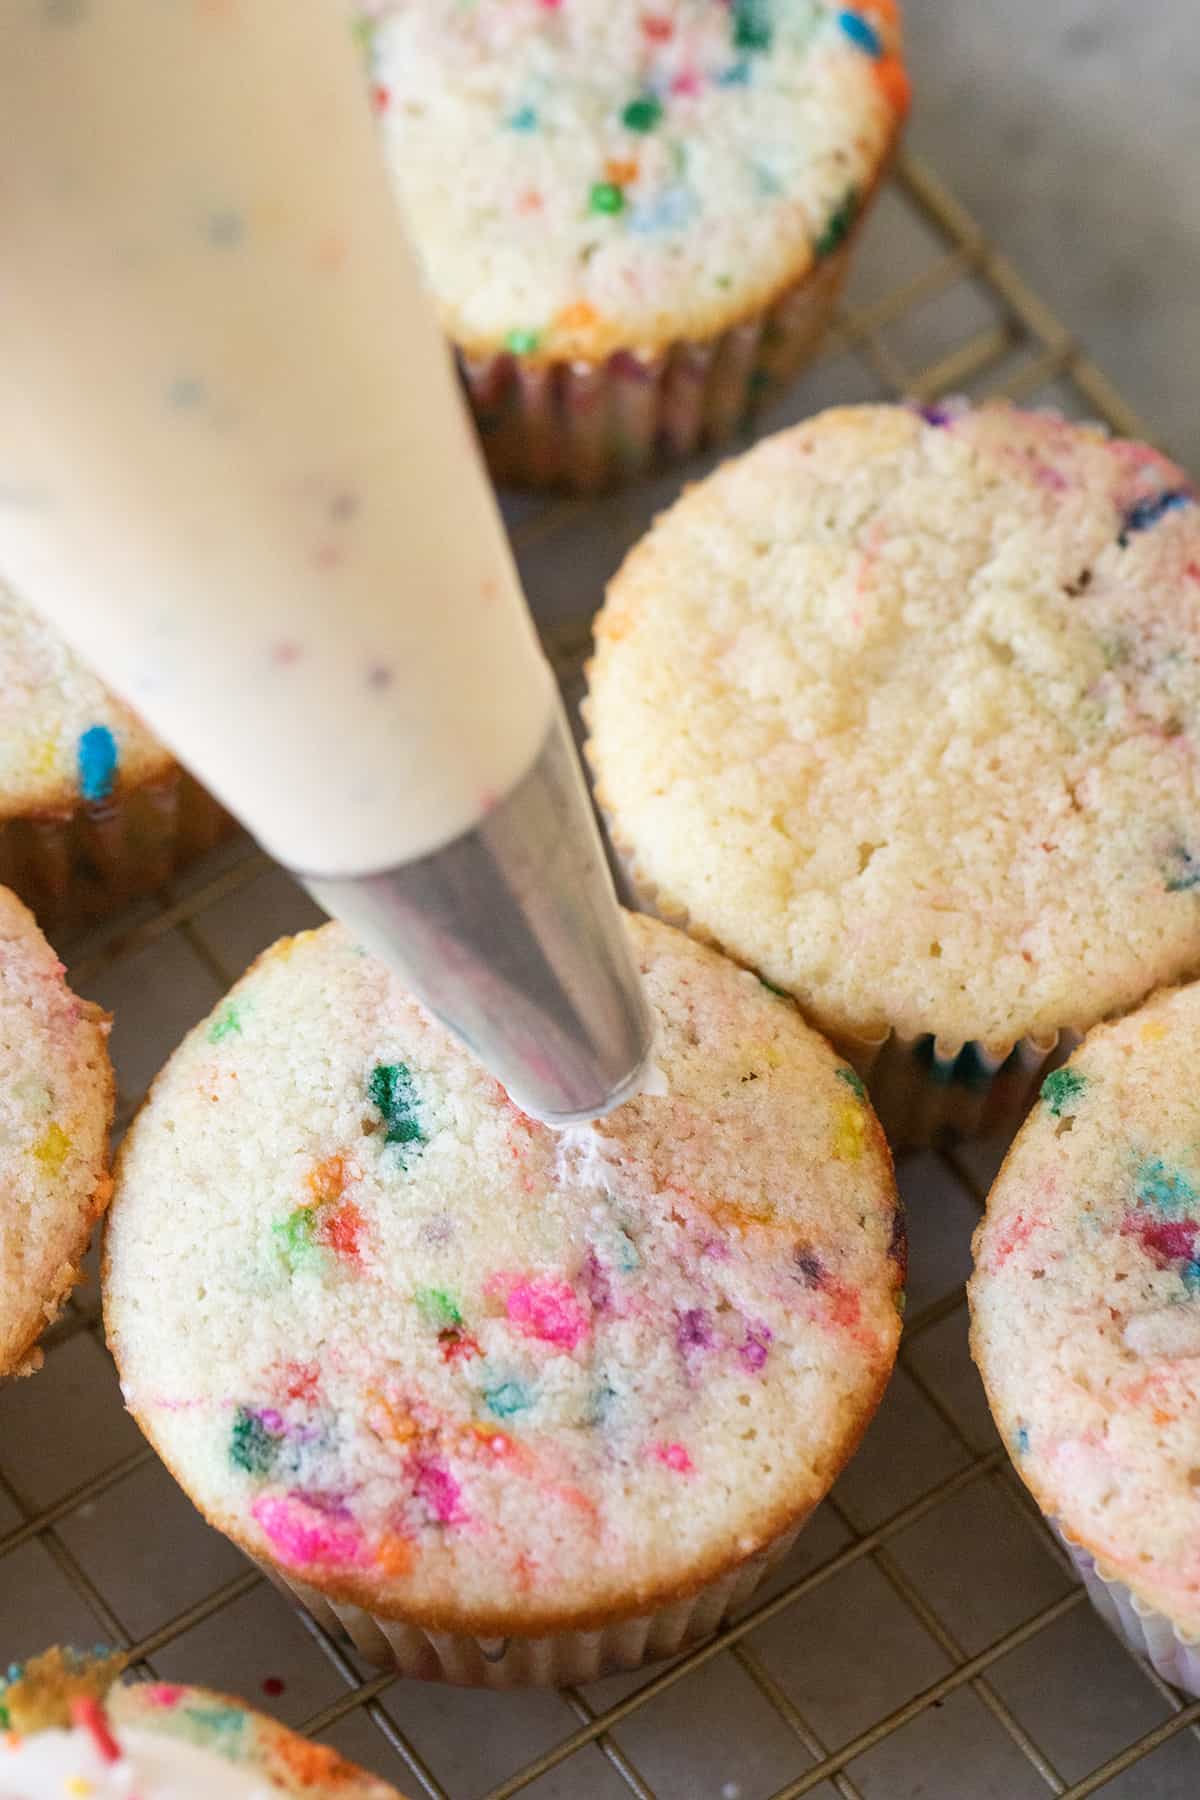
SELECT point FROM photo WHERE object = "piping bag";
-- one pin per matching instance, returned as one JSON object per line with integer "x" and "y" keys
{"x": 237, "y": 474}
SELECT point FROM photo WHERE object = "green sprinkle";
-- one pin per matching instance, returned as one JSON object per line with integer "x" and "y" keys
{"x": 251, "y": 1446}
{"x": 296, "y": 1237}
{"x": 780, "y": 993}
{"x": 723, "y": 281}
{"x": 752, "y": 28}
{"x": 1062, "y": 1088}
{"x": 642, "y": 114}
{"x": 437, "y": 1308}
{"x": 853, "y": 1081}
{"x": 226, "y": 1023}
{"x": 509, "y": 1398}
{"x": 606, "y": 197}
{"x": 838, "y": 224}
{"x": 5, "y": 1721}
{"x": 523, "y": 340}
{"x": 392, "y": 1090}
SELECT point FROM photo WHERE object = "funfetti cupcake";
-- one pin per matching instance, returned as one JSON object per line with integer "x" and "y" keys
{"x": 509, "y": 1406}
{"x": 93, "y": 810}
{"x": 901, "y": 710}
{"x": 72, "y": 1728}
{"x": 1085, "y": 1308}
{"x": 56, "y": 1106}
{"x": 634, "y": 218}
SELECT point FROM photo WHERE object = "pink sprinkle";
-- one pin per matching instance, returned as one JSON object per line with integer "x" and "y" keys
{"x": 674, "y": 1456}
{"x": 436, "y": 1486}
{"x": 545, "y": 1309}
{"x": 301, "y": 1534}
{"x": 688, "y": 82}
{"x": 162, "y": 1693}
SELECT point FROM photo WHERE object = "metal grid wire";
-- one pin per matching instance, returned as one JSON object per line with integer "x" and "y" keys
{"x": 1022, "y": 352}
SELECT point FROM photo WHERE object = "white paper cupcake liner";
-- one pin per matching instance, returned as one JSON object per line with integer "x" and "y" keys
{"x": 585, "y": 426}
{"x": 1151, "y": 1634}
{"x": 559, "y": 1660}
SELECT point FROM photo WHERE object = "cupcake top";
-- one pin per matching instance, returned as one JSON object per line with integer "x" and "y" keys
{"x": 583, "y": 176}
{"x": 432, "y": 1357}
{"x": 1086, "y": 1302}
{"x": 63, "y": 737}
{"x": 70, "y": 1732}
{"x": 56, "y": 1104}
{"x": 902, "y": 710}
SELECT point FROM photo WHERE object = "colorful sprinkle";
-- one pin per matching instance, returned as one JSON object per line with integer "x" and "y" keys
{"x": 673, "y": 1456}
{"x": 606, "y": 197}
{"x": 642, "y": 114}
{"x": 752, "y": 29}
{"x": 1169, "y": 1190}
{"x": 545, "y": 1309}
{"x": 756, "y": 1348}
{"x": 849, "y": 1132}
{"x": 225, "y": 1023}
{"x": 392, "y": 1090}
{"x": 296, "y": 1237}
{"x": 523, "y": 340}
{"x": 87, "y": 1715}
{"x": 736, "y": 75}
{"x": 892, "y": 80}
{"x": 1021, "y": 1441}
{"x": 1061, "y": 1089}
{"x": 437, "y": 1308}
{"x": 509, "y": 1398}
{"x": 524, "y": 119}
{"x": 693, "y": 1332}
{"x": 301, "y": 1532}
{"x": 861, "y": 32}
{"x": 252, "y": 1447}
{"x": 342, "y": 1231}
{"x": 853, "y": 1081}
{"x": 96, "y": 760}
{"x": 52, "y": 1148}
{"x": 837, "y": 226}
{"x": 441, "y": 1493}
{"x": 1148, "y": 512}
{"x": 1183, "y": 871}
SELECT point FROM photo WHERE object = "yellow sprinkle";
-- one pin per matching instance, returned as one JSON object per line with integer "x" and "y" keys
{"x": 1153, "y": 1030}
{"x": 78, "y": 1784}
{"x": 43, "y": 756}
{"x": 52, "y": 1150}
{"x": 849, "y": 1131}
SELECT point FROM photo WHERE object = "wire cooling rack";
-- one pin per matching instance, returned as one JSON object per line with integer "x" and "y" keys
{"x": 926, "y": 1636}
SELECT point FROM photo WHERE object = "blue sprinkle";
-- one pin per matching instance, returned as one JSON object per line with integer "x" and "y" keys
{"x": 1169, "y": 1190}
{"x": 1183, "y": 871}
{"x": 736, "y": 75}
{"x": 861, "y": 33}
{"x": 1190, "y": 1276}
{"x": 668, "y": 212}
{"x": 524, "y": 119}
{"x": 1022, "y": 1441}
{"x": 1149, "y": 511}
{"x": 509, "y": 1398}
{"x": 225, "y": 228}
{"x": 96, "y": 760}
{"x": 185, "y": 391}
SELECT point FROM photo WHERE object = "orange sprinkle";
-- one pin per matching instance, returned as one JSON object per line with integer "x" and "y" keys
{"x": 884, "y": 12}
{"x": 327, "y": 1179}
{"x": 530, "y": 201}
{"x": 576, "y": 317}
{"x": 342, "y": 1230}
{"x": 621, "y": 170}
{"x": 310, "y": 1765}
{"x": 401, "y": 1426}
{"x": 394, "y": 1554}
{"x": 892, "y": 77}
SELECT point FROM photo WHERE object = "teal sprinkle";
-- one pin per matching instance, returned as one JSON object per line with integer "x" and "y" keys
{"x": 752, "y": 29}
{"x": 1167, "y": 1189}
{"x": 1190, "y": 1276}
{"x": 861, "y": 32}
{"x": 1183, "y": 871}
{"x": 524, "y": 119}
{"x": 627, "y": 1254}
{"x": 1021, "y": 1441}
{"x": 392, "y": 1090}
{"x": 14, "y": 1672}
{"x": 509, "y": 1398}
{"x": 437, "y": 1308}
{"x": 227, "y": 1023}
{"x": 96, "y": 761}
{"x": 736, "y": 75}
{"x": 222, "y": 1725}
{"x": 642, "y": 114}
{"x": 853, "y": 1081}
{"x": 1062, "y": 1088}
{"x": 251, "y": 1446}
{"x": 603, "y": 1395}
{"x": 838, "y": 224}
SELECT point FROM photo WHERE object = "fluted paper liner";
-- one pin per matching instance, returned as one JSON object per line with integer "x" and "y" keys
{"x": 1172, "y": 1653}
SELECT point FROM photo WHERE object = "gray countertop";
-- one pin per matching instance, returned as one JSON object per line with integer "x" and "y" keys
{"x": 1071, "y": 129}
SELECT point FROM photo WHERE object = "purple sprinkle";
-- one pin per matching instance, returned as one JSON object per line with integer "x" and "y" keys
{"x": 811, "y": 1268}
{"x": 693, "y": 1331}
{"x": 272, "y": 1420}
{"x": 754, "y": 1351}
{"x": 332, "y": 1505}
{"x": 936, "y": 415}
{"x": 596, "y": 1283}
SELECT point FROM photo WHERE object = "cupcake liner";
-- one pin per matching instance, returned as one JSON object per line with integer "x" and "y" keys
{"x": 1173, "y": 1655}
{"x": 72, "y": 867}
{"x": 585, "y": 426}
{"x": 560, "y": 1659}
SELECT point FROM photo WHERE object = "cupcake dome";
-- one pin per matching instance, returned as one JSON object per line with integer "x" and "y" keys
{"x": 56, "y": 1104}
{"x": 588, "y": 176}
{"x": 1085, "y": 1303}
{"x": 70, "y": 1733}
{"x": 901, "y": 710}
{"x": 422, "y": 1354}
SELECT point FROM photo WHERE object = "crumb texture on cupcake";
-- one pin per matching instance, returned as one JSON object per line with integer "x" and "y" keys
{"x": 64, "y": 739}
{"x": 585, "y": 176}
{"x": 902, "y": 710}
{"x": 428, "y": 1356}
{"x": 1085, "y": 1302}
{"x": 56, "y": 1103}
{"x": 72, "y": 1730}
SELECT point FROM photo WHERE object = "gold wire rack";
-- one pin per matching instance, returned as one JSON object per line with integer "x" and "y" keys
{"x": 1054, "y": 1706}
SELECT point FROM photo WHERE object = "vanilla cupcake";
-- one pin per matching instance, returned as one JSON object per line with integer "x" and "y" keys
{"x": 72, "y": 1729}
{"x": 56, "y": 1106}
{"x": 634, "y": 218}
{"x": 1085, "y": 1307}
{"x": 901, "y": 710}
{"x": 509, "y": 1405}
{"x": 92, "y": 809}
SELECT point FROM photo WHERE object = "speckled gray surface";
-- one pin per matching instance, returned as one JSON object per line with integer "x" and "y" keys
{"x": 1071, "y": 129}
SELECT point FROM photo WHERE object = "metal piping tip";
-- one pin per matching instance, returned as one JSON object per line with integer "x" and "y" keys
{"x": 512, "y": 936}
